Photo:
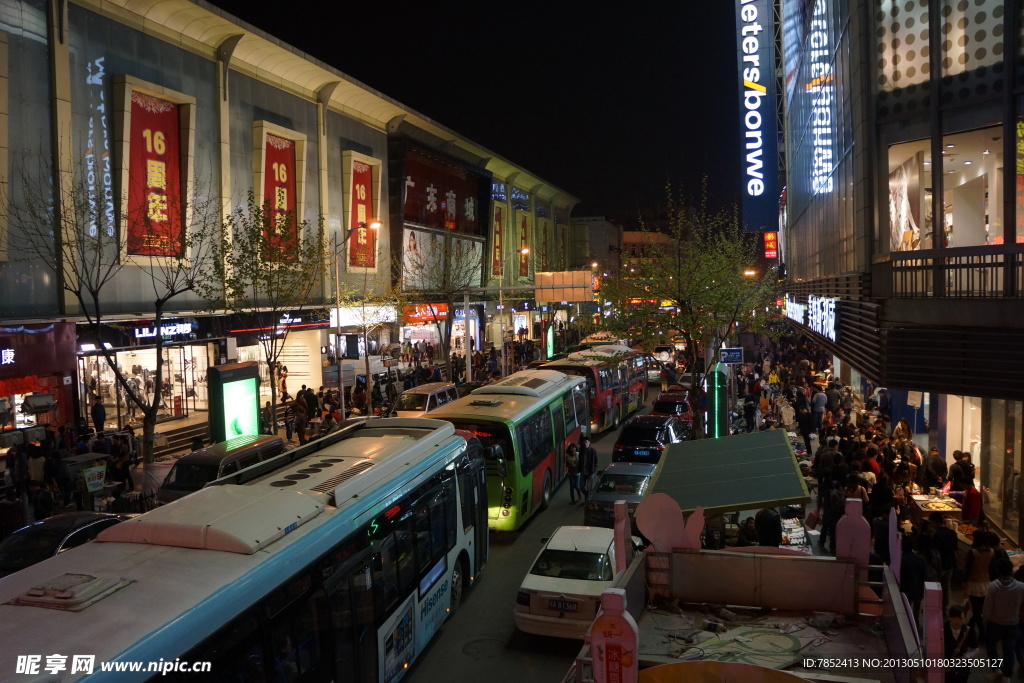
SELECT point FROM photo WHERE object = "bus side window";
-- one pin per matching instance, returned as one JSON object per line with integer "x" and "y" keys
{"x": 300, "y": 640}
{"x": 235, "y": 651}
{"x": 424, "y": 542}
{"x": 582, "y": 406}
{"x": 405, "y": 555}
{"x": 385, "y": 572}
{"x": 450, "y": 519}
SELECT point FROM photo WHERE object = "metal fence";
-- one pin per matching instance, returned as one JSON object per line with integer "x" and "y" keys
{"x": 986, "y": 272}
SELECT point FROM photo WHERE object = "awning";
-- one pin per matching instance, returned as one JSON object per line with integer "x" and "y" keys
{"x": 740, "y": 472}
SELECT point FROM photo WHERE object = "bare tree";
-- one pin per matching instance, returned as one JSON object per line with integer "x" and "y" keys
{"x": 93, "y": 244}
{"x": 441, "y": 274}
{"x": 269, "y": 264}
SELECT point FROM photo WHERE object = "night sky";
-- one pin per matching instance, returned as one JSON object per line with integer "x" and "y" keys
{"x": 607, "y": 104}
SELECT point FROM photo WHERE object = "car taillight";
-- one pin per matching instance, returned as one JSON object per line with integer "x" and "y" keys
{"x": 660, "y": 446}
{"x": 619, "y": 447}
{"x": 523, "y": 598}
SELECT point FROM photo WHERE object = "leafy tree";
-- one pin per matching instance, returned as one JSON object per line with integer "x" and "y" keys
{"x": 704, "y": 270}
{"x": 269, "y": 264}
{"x": 79, "y": 236}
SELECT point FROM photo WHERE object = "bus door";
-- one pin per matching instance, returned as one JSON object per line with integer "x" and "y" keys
{"x": 473, "y": 498}
{"x": 351, "y": 597}
{"x": 558, "y": 415}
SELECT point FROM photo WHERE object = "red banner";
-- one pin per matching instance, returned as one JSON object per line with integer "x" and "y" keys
{"x": 362, "y": 245}
{"x": 279, "y": 196}
{"x": 416, "y": 314}
{"x": 771, "y": 245}
{"x": 497, "y": 260}
{"x": 439, "y": 194}
{"x": 524, "y": 245}
{"x": 544, "y": 248}
{"x": 154, "y": 220}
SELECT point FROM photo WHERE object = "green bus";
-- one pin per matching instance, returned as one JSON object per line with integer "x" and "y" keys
{"x": 525, "y": 422}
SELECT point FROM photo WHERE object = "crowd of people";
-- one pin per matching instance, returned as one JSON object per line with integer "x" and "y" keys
{"x": 856, "y": 452}
{"x": 39, "y": 481}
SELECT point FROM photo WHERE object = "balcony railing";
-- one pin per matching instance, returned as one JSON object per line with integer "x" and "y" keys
{"x": 986, "y": 272}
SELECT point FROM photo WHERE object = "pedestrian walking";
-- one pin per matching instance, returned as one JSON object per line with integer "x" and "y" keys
{"x": 572, "y": 469}
{"x": 1001, "y": 615}
{"x": 98, "y": 413}
{"x": 588, "y": 465}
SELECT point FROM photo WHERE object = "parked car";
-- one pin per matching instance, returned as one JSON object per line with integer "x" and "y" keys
{"x": 195, "y": 470}
{"x": 643, "y": 438}
{"x": 653, "y": 369}
{"x": 52, "y": 536}
{"x": 418, "y": 401}
{"x": 628, "y": 481}
{"x": 562, "y": 592}
{"x": 674, "y": 404}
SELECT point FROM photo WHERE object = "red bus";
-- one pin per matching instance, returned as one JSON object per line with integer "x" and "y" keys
{"x": 616, "y": 382}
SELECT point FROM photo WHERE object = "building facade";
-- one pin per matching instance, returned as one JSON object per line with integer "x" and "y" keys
{"x": 903, "y": 234}
{"x": 160, "y": 118}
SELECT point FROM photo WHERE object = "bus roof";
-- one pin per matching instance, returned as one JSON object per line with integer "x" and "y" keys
{"x": 509, "y": 399}
{"x": 154, "y": 586}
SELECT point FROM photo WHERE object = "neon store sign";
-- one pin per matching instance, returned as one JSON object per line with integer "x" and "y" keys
{"x": 821, "y": 89}
{"x": 819, "y": 314}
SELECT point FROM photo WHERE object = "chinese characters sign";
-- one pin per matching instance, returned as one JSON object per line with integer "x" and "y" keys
{"x": 443, "y": 195}
{"x": 417, "y": 314}
{"x": 279, "y": 196}
{"x": 498, "y": 241}
{"x": 544, "y": 239}
{"x": 771, "y": 245}
{"x": 819, "y": 314}
{"x": 155, "y": 219}
{"x": 362, "y": 245}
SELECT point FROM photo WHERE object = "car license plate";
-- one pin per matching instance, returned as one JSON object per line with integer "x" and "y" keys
{"x": 563, "y": 605}
{"x": 642, "y": 452}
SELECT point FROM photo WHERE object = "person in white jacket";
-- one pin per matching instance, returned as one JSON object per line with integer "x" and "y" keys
{"x": 1001, "y": 614}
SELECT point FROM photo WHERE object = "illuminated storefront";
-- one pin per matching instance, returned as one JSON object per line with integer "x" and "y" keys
{"x": 36, "y": 359}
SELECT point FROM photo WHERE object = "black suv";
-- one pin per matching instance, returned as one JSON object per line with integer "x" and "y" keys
{"x": 644, "y": 438}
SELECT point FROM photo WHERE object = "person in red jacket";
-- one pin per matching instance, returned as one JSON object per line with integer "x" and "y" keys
{"x": 972, "y": 504}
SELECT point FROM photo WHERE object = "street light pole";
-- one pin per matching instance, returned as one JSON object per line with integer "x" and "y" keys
{"x": 501, "y": 305}
{"x": 340, "y": 249}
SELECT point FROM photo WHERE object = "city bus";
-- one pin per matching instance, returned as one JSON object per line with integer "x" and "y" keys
{"x": 339, "y": 565}
{"x": 526, "y": 421}
{"x": 616, "y": 382}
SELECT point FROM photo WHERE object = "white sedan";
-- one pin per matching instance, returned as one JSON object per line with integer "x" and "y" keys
{"x": 561, "y": 594}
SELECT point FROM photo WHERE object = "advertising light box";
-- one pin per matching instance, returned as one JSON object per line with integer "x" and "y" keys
{"x": 234, "y": 401}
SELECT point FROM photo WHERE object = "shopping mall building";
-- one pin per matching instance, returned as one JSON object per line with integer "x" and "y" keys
{"x": 902, "y": 218}
{"x": 143, "y": 106}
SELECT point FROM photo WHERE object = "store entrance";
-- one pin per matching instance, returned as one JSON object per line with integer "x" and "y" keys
{"x": 182, "y": 386}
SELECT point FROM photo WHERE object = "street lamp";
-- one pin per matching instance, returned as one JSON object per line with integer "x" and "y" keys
{"x": 501, "y": 305}
{"x": 340, "y": 249}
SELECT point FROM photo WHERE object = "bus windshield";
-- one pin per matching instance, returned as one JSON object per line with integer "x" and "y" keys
{"x": 490, "y": 434}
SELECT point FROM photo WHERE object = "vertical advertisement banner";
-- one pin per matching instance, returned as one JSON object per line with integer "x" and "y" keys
{"x": 754, "y": 42}
{"x": 498, "y": 242}
{"x": 544, "y": 244}
{"x": 154, "y": 220}
{"x": 362, "y": 245}
{"x": 524, "y": 244}
{"x": 279, "y": 198}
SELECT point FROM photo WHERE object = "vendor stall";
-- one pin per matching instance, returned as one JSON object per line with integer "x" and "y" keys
{"x": 923, "y": 505}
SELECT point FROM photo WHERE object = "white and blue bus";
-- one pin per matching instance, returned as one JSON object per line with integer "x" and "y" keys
{"x": 339, "y": 564}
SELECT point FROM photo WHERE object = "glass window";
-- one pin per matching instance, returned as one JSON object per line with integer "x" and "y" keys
{"x": 385, "y": 572}
{"x": 972, "y": 36}
{"x": 568, "y": 564}
{"x": 910, "y": 204}
{"x": 972, "y": 163}
{"x": 535, "y": 440}
{"x": 235, "y": 652}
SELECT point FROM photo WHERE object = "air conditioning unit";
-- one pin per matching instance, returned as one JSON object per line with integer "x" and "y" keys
{"x": 34, "y": 404}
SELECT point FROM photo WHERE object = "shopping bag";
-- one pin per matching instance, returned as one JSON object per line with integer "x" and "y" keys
{"x": 812, "y": 519}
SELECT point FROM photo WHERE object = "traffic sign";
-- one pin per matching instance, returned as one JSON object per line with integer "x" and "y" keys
{"x": 731, "y": 356}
